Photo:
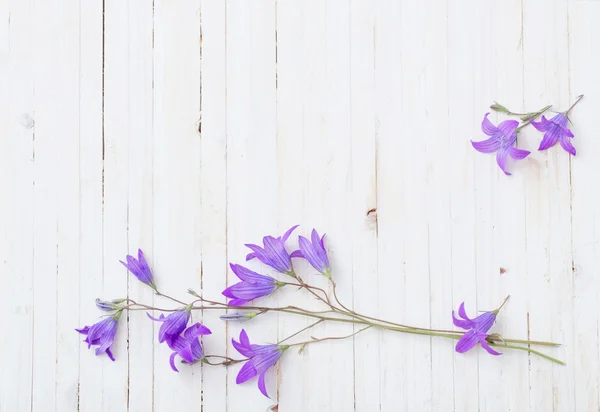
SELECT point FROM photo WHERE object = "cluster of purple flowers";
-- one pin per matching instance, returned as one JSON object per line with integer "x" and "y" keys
{"x": 502, "y": 138}
{"x": 184, "y": 340}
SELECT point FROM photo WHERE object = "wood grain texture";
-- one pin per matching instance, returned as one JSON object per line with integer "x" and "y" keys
{"x": 188, "y": 128}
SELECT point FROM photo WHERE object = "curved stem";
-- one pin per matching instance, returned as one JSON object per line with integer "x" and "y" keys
{"x": 330, "y": 338}
{"x": 158, "y": 293}
{"x": 381, "y": 320}
{"x": 550, "y": 358}
{"x": 301, "y": 330}
{"x": 574, "y": 104}
{"x": 529, "y": 119}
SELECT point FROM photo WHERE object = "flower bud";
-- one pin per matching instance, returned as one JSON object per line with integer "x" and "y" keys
{"x": 238, "y": 317}
{"x": 497, "y": 107}
{"x": 108, "y": 306}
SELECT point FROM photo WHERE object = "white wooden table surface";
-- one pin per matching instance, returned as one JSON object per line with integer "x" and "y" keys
{"x": 313, "y": 112}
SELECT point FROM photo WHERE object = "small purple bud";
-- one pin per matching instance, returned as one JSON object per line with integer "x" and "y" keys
{"x": 238, "y": 317}
{"x": 108, "y": 306}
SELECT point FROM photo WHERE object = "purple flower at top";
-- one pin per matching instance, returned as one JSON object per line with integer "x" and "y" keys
{"x": 476, "y": 330}
{"x": 188, "y": 346}
{"x": 314, "y": 252}
{"x": 502, "y": 140}
{"x": 556, "y": 131}
{"x": 102, "y": 334}
{"x": 172, "y": 325}
{"x": 273, "y": 252}
{"x": 252, "y": 286}
{"x": 261, "y": 358}
{"x": 139, "y": 268}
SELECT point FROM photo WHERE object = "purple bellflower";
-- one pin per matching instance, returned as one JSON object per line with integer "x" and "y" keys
{"x": 273, "y": 252}
{"x": 556, "y": 131}
{"x": 502, "y": 140}
{"x": 252, "y": 286}
{"x": 102, "y": 334}
{"x": 314, "y": 252}
{"x": 139, "y": 268}
{"x": 172, "y": 325}
{"x": 476, "y": 330}
{"x": 188, "y": 345}
{"x": 262, "y": 357}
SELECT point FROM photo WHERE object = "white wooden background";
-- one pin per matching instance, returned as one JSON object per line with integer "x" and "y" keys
{"x": 313, "y": 112}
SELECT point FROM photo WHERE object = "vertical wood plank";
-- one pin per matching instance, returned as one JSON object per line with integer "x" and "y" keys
{"x": 548, "y": 207}
{"x": 91, "y": 163}
{"x": 291, "y": 168}
{"x": 17, "y": 135}
{"x": 55, "y": 214}
{"x": 585, "y": 204}
{"x": 363, "y": 202}
{"x": 137, "y": 71}
{"x": 390, "y": 260}
{"x": 251, "y": 165}
{"x": 464, "y": 106}
{"x": 327, "y": 194}
{"x": 115, "y": 192}
{"x": 213, "y": 152}
{"x": 502, "y": 234}
{"x": 177, "y": 191}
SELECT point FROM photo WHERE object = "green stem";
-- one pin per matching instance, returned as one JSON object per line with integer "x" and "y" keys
{"x": 535, "y": 116}
{"x": 573, "y": 105}
{"x": 301, "y": 330}
{"x": 550, "y": 358}
{"x": 330, "y": 338}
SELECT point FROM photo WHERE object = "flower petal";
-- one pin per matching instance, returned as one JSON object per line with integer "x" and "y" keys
{"x": 518, "y": 154}
{"x": 172, "y": 361}
{"x": 508, "y": 127}
{"x": 287, "y": 234}
{"x": 261, "y": 385}
{"x": 501, "y": 156}
{"x": 464, "y": 324}
{"x": 468, "y": 340}
{"x": 565, "y": 143}
{"x": 550, "y": 138}
{"x": 247, "y": 372}
{"x": 487, "y": 127}
{"x": 296, "y": 254}
{"x": 462, "y": 313}
{"x": 543, "y": 125}
{"x": 490, "y": 145}
{"x": 487, "y": 347}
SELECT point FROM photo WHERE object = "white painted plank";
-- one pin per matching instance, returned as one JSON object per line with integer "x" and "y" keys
{"x": 433, "y": 125}
{"x": 177, "y": 191}
{"x": 465, "y": 118}
{"x": 501, "y": 236}
{"x": 364, "y": 202}
{"x": 548, "y": 214}
{"x": 116, "y": 148}
{"x": 327, "y": 191}
{"x": 137, "y": 72}
{"x": 56, "y": 220}
{"x": 16, "y": 207}
{"x": 91, "y": 144}
{"x": 293, "y": 377}
{"x": 213, "y": 152}
{"x": 251, "y": 169}
{"x": 583, "y": 66}
{"x": 391, "y": 241}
